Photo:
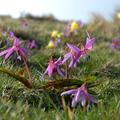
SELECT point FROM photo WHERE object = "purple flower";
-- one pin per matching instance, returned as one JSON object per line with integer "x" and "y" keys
{"x": 54, "y": 66}
{"x": 116, "y": 44}
{"x": 11, "y": 34}
{"x": 80, "y": 95}
{"x": 57, "y": 42}
{"x": 31, "y": 44}
{"x": 67, "y": 30}
{"x": 74, "y": 55}
{"x": 88, "y": 46}
{"x": 21, "y": 52}
{"x": 89, "y": 43}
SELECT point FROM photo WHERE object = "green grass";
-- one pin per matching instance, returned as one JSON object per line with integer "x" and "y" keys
{"x": 18, "y": 102}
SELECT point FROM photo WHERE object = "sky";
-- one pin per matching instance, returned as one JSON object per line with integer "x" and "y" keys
{"x": 61, "y": 9}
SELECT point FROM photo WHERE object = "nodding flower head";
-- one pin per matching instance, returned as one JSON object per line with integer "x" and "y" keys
{"x": 21, "y": 52}
{"x": 53, "y": 67}
{"x": 80, "y": 95}
{"x": 88, "y": 46}
{"x": 74, "y": 54}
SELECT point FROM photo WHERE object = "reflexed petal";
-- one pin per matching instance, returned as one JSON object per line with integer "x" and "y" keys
{"x": 24, "y": 50}
{"x": 83, "y": 102}
{"x": 74, "y": 102}
{"x": 89, "y": 43}
{"x": 59, "y": 61}
{"x": 50, "y": 70}
{"x": 4, "y": 52}
{"x": 72, "y": 61}
{"x": 45, "y": 72}
{"x": 66, "y": 57}
{"x": 76, "y": 60}
{"x": 9, "y": 53}
{"x": 78, "y": 94}
{"x": 73, "y": 48}
{"x": 22, "y": 53}
{"x": 74, "y": 91}
{"x": 16, "y": 42}
{"x": 76, "y": 98}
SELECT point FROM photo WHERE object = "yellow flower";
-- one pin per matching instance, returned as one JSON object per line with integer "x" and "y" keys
{"x": 74, "y": 26}
{"x": 51, "y": 45}
{"x": 59, "y": 35}
{"x": 118, "y": 15}
{"x": 54, "y": 34}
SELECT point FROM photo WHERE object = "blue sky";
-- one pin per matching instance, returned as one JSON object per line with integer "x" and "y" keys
{"x": 61, "y": 9}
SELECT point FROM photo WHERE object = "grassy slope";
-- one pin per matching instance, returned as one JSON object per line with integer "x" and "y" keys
{"x": 17, "y": 102}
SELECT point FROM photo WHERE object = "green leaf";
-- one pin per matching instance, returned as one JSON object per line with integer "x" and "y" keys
{"x": 22, "y": 79}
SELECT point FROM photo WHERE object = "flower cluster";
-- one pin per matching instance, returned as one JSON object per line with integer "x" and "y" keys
{"x": 74, "y": 54}
{"x": 55, "y": 39}
{"x": 22, "y": 53}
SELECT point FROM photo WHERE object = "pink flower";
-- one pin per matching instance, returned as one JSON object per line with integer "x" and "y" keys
{"x": 88, "y": 46}
{"x": 74, "y": 55}
{"x": 54, "y": 66}
{"x": 31, "y": 44}
{"x": 80, "y": 95}
{"x": 21, "y": 52}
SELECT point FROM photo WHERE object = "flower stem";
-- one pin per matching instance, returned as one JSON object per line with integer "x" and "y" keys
{"x": 71, "y": 73}
{"x": 66, "y": 70}
{"x": 28, "y": 71}
{"x": 84, "y": 108}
